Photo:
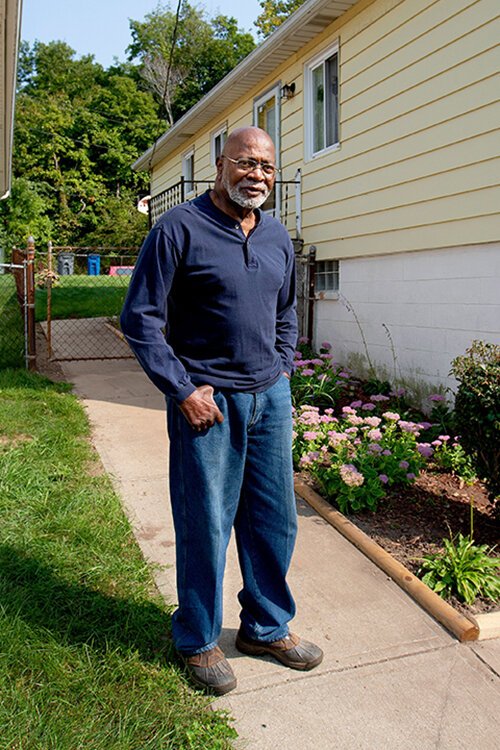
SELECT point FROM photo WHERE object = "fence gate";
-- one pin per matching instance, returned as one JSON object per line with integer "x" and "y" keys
{"x": 80, "y": 293}
{"x": 17, "y": 310}
{"x": 304, "y": 265}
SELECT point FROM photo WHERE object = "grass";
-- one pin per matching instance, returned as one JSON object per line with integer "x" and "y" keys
{"x": 11, "y": 325}
{"x": 82, "y": 296}
{"x": 85, "y": 660}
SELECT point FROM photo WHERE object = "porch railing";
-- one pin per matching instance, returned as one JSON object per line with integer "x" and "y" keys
{"x": 288, "y": 194}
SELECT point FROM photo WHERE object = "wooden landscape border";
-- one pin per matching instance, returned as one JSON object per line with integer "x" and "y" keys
{"x": 464, "y": 628}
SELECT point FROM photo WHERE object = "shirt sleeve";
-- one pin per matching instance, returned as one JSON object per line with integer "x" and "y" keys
{"x": 144, "y": 316}
{"x": 286, "y": 316}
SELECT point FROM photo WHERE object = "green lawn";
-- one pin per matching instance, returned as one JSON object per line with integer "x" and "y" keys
{"x": 85, "y": 660}
{"x": 11, "y": 325}
{"x": 83, "y": 297}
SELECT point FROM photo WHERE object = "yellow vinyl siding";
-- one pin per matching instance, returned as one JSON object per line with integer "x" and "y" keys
{"x": 418, "y": 159}
{"x": 464, "y": 231}
{"x": 415, "y": 147}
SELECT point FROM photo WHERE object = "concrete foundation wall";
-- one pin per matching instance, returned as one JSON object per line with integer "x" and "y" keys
{"x": 431, "y": 303}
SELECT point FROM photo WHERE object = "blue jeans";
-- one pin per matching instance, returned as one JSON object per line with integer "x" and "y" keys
{"x": 238, "y": 473}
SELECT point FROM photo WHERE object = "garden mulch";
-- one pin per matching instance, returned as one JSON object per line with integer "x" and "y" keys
{"x": 413, "y": 520}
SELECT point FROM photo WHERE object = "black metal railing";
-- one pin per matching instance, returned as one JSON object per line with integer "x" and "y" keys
{"x": 283, "y": 203}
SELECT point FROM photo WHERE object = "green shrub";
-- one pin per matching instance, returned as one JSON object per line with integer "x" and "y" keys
{"x": 477, "y": 410}
{"x": 463, "y": 569}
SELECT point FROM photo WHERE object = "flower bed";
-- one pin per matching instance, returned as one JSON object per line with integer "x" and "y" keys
{"x": 364, "y": 449}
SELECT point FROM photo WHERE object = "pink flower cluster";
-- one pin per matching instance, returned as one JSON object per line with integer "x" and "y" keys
{"x": 351, "y": 476}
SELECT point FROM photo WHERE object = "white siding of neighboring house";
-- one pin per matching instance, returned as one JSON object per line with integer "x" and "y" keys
{"x": 412, "y": 194}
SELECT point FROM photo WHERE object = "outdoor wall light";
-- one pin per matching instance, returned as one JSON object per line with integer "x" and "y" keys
{"x": 288, "y": 91}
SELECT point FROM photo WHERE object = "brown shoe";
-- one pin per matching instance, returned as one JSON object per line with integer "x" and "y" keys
{"x": 211, "y": 671}
{"x": 291, "y": 651}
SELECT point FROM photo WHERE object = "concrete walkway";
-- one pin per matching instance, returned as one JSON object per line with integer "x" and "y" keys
{"x": 392, "y": 678}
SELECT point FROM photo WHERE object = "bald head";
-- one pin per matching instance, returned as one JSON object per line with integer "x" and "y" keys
{"x": 248, "y": 139}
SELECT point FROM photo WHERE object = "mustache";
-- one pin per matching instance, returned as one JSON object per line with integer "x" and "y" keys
{"x": 249, "y": 183}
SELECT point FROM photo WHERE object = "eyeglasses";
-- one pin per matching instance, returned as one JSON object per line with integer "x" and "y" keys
{"x": 249, "y": 165}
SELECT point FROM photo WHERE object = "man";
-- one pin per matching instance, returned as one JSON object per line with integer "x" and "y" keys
{"x": 218, "y": 275}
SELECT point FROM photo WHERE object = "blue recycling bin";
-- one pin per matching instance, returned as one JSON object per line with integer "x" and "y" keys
{"x": 93, "y": 264}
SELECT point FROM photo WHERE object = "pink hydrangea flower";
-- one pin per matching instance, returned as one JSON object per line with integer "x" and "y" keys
{"x": 343, "y": 374}
{"x": 310, "y": 435}
{"x": 348, "y": 410}
{"x": 403, "y": 464}
{"x": 354, "y": 419}
{"x": 387, "y": 452}
{"x": 436, "y": 397}
{"x": 410, "y": 476}
{"x": 307, "y": 371}
{"x": 372, "y": 421}
{"x": 391, "y": 416}
{"x": 444, "y": 438}
{"x": 379, "y": 397}
{"x": 351, "y": 476}
{"x": 375, "y": 434}
{"x": 368, "y": 407}
{"x": 356, "y": 404}
{"x": 326, "y": 345}
{"x": 383, "y": 478}
{"x": 303, "y": 340}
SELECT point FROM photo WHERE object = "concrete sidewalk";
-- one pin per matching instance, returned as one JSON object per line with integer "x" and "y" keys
{"x": 392, "y": 678}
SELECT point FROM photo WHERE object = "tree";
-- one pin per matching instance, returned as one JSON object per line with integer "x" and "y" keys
{"x": 204, "y": 52}
{"x": 78, "y": 130}
{"x": 274, "y": 13}
{"x": 22, "y": 215}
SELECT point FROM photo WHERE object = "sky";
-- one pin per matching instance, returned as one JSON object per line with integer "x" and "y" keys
{"x": 101, "y": 28}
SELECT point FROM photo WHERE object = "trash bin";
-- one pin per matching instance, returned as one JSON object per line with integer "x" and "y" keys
{"x": 65, "y": 264}
{"x": 93, "y": 264}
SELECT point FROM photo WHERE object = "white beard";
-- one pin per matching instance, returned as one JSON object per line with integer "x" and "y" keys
{"x": 238, "y": 197}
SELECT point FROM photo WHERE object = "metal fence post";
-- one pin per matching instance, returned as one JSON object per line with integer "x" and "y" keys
{"x": 311, "y": 291}
{"x": 30, "y": 303}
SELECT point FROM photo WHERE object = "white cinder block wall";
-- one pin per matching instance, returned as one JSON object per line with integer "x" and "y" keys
{"x": 434, "y": 303}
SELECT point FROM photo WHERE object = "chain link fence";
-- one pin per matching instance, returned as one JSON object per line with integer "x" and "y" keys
{"x": 79, "y": 296}
{"x": 12, "y": 316}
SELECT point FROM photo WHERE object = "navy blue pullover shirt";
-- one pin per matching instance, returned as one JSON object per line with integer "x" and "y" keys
{"x": 206, "y": 304}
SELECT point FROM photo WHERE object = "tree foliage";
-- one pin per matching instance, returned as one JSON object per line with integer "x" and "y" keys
{"x": 79, "y": 127}
{"x": 204, "y": 52}
{"x": 78, "y": 130}
{"x": 274, "y": 13}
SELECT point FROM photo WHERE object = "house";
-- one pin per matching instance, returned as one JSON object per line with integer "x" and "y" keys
{"x": 10, "y": 23}
{"x": 385, "y": 116}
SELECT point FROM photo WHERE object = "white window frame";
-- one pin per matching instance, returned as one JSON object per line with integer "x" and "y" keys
{"x": 188, "y": 157}
{"x": 327, "y": 269}
{"x": 309, "y": 67}
{"x": 222, "y": 130}
{"x": 262, "y": 99}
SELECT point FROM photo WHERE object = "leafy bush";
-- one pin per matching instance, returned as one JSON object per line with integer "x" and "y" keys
{"x": 453, "y": 458}
{"x": 477, "y": 409}
{"x": 463, "y": 569}
{"x": 316, "y": 379}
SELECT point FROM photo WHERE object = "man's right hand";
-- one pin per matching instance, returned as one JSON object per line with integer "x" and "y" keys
{"x": 200, "y": 409}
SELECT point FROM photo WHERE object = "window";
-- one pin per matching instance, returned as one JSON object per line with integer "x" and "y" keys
{"x": 326, "y": 276}
{"x": 188, "y": 171}
{"x": 322, "y": 102}
{"x": 266, "y": 115}
{"x": 218, "y": 140}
